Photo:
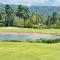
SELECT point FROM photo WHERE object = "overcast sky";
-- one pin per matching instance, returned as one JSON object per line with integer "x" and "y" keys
{"x": 33, "y": 2}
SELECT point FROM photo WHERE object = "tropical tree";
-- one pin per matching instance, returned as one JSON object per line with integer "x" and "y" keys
{"x": 23, "y": 12}
{"x": 37, "y": 19}
{"x": 51, "y": 20}
{"x": 0, "y": 16}
{"x": 57, "y": 24}
{"x": 8, "y": 16}
{"x": 54, "y": 18}
{"x": 48, "y": 22}
{"x": 1, "y": 19}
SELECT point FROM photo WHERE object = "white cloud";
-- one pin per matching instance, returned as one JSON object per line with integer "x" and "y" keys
{"x": 56, "y": 3}
{"x": 46, "y": 2}
{"x": 41, "y": 1}
{"x": 24, "y": 2}
{"x": 32, "y": 2}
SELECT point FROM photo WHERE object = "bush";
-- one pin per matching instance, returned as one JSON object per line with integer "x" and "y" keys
{"x": 47, "y": 41}
{"x": 44, "y": 41}
{"x": 36, "y": 41}
{"x": 29, "y": 23}
{"x": 18, "y": 23}
{"x": 1, "y": 25}
{"x": 35, "y": 26}
{"x": 12, "y": 41}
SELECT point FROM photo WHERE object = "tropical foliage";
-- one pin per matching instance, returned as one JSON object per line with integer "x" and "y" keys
{"x": 22, "y": 17}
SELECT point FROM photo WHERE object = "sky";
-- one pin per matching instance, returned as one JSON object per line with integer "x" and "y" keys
{"x": 32, "y": 2}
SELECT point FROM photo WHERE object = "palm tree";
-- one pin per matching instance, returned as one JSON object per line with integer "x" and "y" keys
{"x": 0, "y": 16}
{"x": 22, "y": 12}
{"x": 8, "y": 15}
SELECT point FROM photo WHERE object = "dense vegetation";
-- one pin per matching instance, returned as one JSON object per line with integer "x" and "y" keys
{"x": 22, "y": 17}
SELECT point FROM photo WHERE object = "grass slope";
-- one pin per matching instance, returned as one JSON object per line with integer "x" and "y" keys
{"x": 29, "y": 51}
{"x": 30, "y": 30}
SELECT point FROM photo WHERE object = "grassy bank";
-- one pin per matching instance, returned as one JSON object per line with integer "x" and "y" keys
{"x": 56, "y": 40}
{"x": 29, "y": 51}
{"x": 29, "y": 30}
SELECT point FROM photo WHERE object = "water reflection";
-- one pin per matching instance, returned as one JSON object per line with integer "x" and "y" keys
{"x": 25, "y": 37}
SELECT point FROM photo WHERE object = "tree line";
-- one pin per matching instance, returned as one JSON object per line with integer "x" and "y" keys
{"x": 23, "y": 18}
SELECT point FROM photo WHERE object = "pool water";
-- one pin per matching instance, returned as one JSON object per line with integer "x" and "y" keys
{"x": 25, "y": 37}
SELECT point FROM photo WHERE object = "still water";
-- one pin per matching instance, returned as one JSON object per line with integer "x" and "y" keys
{"x": 25, "y": 37}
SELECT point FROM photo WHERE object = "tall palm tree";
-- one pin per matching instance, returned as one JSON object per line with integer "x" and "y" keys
{"x": 22, "y": 12}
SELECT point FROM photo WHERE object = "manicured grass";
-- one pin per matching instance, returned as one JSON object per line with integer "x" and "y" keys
{"x": 29, "y": 51}
{"x": 30, "y": 30}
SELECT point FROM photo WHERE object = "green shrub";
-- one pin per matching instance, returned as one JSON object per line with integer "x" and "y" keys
{"x": 47, "y": 41}
{"x": 12, "y": 41}
{"x": 36, "y": 41}
{"x": 1, "y": 25}
{"x": 35, "y": 26}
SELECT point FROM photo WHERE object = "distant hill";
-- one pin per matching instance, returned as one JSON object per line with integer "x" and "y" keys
{"x": 45, "y": 10}
{"x": 3, "y": 5}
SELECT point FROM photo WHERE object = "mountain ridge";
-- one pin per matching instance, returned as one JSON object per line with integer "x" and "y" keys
{"x": 45, "y": 10}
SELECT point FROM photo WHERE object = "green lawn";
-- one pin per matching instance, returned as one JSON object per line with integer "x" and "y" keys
{"x": 14, "y": 29}
{"x": 29, "y": 51}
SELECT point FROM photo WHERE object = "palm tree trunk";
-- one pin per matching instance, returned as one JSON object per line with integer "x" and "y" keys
{"x": 24, "y": 24}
